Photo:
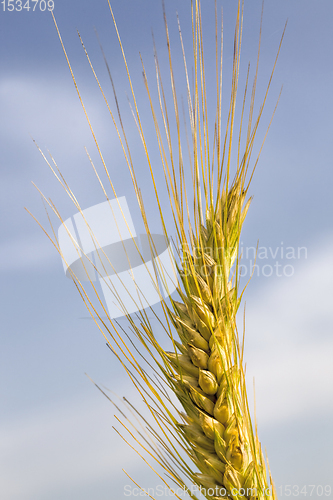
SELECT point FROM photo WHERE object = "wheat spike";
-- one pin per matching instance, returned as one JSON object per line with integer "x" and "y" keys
{"x": 211, "y": 378}
{"x": 212, "y": 432}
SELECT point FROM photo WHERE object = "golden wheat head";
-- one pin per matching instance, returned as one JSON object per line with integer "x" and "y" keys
{"x": 209, "y": 429}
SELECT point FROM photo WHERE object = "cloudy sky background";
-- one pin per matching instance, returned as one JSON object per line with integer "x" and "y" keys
{"x": 56, "y": 434}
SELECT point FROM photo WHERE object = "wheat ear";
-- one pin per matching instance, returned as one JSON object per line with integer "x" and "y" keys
{"x": 205, "y": 370}
{"x": 210, "y": 382}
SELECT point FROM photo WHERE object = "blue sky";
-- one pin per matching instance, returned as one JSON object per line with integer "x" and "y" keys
{"x": 56, "y": 428}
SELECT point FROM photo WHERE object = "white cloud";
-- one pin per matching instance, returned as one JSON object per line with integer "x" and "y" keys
{"x": 47, "y": 108}
{"x": 289, "y": 341}
{"x": 63, "y": 446}
{"x": 25, "y": 252}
